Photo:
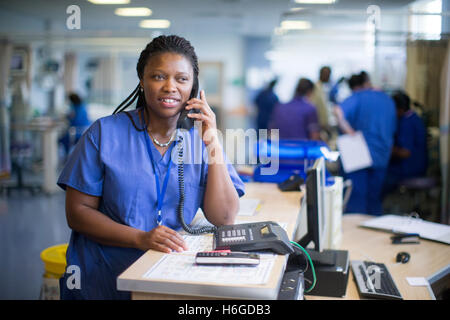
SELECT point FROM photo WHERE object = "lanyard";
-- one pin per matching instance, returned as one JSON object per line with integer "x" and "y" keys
{"x": 159, "y": 193}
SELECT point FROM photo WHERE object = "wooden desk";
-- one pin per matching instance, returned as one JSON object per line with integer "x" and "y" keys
{"x": 282, "y": 207}
{"x": 363, "y": 244}
{"x": 427, "y": 258}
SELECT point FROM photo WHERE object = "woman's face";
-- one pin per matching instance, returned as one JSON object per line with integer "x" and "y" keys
{"x": 167, "y": 82}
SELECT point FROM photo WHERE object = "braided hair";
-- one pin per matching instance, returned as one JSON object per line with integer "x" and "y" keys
{"x": 159, "y": 45}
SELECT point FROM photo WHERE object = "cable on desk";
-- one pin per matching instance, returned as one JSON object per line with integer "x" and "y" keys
{"x": 310, "y": 263}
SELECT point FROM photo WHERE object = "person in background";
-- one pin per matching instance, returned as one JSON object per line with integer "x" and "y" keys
{"x": 265, "y": 101}
{"x": 373, "y": 113}
{"x": 320, "y": 95}
{"x": 297, "y": 119}
{"x": 78, "y": 121}
{"x": 409, "y": 158}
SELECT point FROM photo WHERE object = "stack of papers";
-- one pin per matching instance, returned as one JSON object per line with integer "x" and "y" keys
{"x": 401, "y": 224}
{"x": 181, "y": 267}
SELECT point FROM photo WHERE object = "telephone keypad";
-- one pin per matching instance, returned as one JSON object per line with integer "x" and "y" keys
{"x": 234, "y": 235}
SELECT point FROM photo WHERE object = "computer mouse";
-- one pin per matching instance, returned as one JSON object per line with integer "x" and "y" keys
{"x": 403, "y": 257}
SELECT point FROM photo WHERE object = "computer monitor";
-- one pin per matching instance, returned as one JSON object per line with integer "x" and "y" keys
{"x": 316, "y": 217}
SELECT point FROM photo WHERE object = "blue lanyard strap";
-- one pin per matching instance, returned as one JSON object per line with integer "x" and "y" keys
{"x": 159, "y": 193}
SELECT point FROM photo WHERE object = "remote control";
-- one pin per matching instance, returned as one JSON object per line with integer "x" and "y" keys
{"x": 226, "y": 258}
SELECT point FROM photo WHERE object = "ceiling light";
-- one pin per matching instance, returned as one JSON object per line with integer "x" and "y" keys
{"x": 315, "y": 1}
{"x": 154, "y": 24}
{"x": 109, "y": 1}
{"x": 298, "y": 9}
{"x": 133, "y": 12}
{"x": 295, "y": 25}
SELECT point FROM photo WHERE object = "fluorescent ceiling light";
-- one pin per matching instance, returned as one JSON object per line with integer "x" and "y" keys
{"x": 133, "y": 12}
{"x": 295, "y": 25}
{"x": 298, "y": 9}
{"x": 154, "y": 24}
{"x": 109, "y": 1}
{"x": 315, "y": 1}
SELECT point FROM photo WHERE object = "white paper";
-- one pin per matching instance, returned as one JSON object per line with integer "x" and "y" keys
{"x": 182, "y": 267}
{"x": 329, "y": 155}
{"x": 248, "y": 207}
{"x": 197, "y": 243}
{"x": 354, "y": 152}
{"x": 417, "y": 281}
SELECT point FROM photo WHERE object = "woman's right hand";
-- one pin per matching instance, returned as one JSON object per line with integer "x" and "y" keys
{"x": 162, "y": 239}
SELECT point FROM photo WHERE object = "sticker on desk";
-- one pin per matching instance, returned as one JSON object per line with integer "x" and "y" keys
{"x": 182, "y": 267}
{"x": 417, "y": 281}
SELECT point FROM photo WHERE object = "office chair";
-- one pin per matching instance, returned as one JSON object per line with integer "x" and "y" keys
{"x": 419, "y": 191}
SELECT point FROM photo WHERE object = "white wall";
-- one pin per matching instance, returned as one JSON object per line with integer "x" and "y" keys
{"x": 302, "y": 56}
{"x": 227, "y": 49}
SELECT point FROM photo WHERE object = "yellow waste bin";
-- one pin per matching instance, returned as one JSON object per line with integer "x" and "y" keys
{"x": 54, "y": 259}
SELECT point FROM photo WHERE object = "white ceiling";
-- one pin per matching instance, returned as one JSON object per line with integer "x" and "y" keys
{"x": 25, "y": 19}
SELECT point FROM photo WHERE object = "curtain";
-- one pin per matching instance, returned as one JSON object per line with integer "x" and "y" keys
{"x": 106, "y": 81}
{"x": 424, "y": 62}
{"x": 427, "y": 82}
{"x": 70, "y": 73}
{"x": 5, "y": 60}
{"x": 444, "y": 138}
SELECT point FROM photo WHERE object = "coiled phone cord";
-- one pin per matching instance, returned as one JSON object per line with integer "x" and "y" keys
{"x": 180, "y": 208}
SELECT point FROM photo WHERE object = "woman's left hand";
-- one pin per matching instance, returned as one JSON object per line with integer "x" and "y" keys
{"x": 206, "y": 116}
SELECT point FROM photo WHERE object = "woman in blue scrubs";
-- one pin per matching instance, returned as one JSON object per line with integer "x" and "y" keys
{"x": 124, "y": 187}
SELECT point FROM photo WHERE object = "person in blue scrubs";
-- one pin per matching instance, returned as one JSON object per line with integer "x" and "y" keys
{"x": 373, "y": 113}
{"x": 409, "y": 157}
{"x": 124, "y": 190}
{"x": 78, "y": 119}
{"x": 265, "y": 101}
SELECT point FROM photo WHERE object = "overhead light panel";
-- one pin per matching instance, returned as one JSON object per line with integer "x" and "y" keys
{"x": 315, "y": 1}
{"x": 295, "y": 25}
{"x": 298, "y": 9}
{"x": 133, "y": 12}
{"x": 154, "y": 24}
{"x": 109, "y": 1}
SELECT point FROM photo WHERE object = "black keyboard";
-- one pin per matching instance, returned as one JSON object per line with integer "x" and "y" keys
{"x": 374, "y": 280}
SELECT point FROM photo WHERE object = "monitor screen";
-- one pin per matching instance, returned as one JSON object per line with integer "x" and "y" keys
{"x": 315, "y": 206}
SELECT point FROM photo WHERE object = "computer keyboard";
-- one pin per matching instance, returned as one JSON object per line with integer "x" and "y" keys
{"x": 374, "y": 280}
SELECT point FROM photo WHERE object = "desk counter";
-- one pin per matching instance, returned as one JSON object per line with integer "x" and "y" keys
{"x": 427, "y": 258}
{"x": 282, "y": 207}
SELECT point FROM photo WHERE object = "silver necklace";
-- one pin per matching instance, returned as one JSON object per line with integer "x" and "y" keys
{"x": 162, "y": 144}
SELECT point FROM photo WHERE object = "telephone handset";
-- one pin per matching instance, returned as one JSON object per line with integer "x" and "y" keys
{"x": 257, "y": 236}
{"x": 184, "y": 122}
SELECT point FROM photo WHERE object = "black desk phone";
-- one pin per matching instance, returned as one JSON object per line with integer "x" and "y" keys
{"x": 257, "y": 236}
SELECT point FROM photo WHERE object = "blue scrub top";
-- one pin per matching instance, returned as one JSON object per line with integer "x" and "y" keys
{"x": 411, "y": 135}
{"x": 79, "y": 117}
{"x": 373, "y": 113}
{"x": 111, "y": 161}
